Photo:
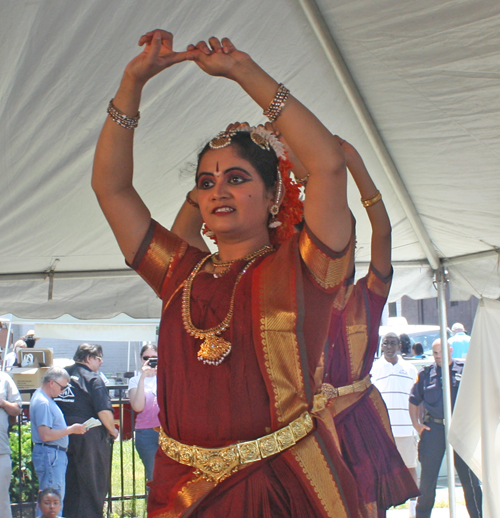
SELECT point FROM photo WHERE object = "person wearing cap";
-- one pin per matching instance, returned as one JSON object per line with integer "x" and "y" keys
{"x": 429, "y": 424}
{"x": 30, "y": 339}
{"x": 459, "y": 341}
{"x": 49, "y": 431}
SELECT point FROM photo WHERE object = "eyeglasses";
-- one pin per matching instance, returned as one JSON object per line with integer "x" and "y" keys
{"x": 62, "y": 388}
{"x": 146, "y": 358}
{"x": 98, "y": 358}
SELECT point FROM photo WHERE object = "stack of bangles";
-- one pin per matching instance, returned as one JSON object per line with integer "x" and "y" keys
{"x": 277, "y": 104}
{"x": 371, "y": 201}
{"x": 120, "y": 118}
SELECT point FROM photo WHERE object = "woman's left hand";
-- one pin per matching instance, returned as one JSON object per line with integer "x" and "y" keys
{"x": 148, "y": 371}
{"x": 218, "y": 58}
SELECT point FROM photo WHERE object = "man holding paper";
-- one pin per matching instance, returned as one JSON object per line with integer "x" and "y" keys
{"x": 49, "y": 432}
{"x": 89, "y": 455}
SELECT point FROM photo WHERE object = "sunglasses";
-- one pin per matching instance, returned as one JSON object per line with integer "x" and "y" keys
{"x": 61, "y": 387}
{"x": 146, "y": 358}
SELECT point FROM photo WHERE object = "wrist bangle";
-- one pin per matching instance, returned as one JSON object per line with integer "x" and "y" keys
{"x": 277, "y": 104}
{"x": 371, "y": 201}
{"x": 191, "y": 202}
{"x": 121, "y": 119}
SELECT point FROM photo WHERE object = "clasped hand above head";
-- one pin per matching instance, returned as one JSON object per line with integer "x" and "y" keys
{"x": 217, "y": 57}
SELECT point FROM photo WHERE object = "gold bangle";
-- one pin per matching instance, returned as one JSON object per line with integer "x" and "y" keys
{"x": 191, "y": 202}
{"x": 277, "y": 104}
{"x": 120, "y": 118}
{"x": 371, "y": 201}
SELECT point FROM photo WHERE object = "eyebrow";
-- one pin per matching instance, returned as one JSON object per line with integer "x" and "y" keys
{"x": 230, "y": 169}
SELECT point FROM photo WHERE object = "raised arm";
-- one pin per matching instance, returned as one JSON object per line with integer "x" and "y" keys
{"x": 125, "y": 211}
{"x": 188, "y": 222}
{"x": 377, "y": 214}
{"x": 316, "y": 148}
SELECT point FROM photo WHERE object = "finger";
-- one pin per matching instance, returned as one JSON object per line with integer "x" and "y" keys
{"x": 189, "y": 55}
{"x": 201, "y": 45}
{"x": 190, "y": 47}
{"x": 215, "y": 44}
{"x": 156, "y": 44}
{"x": 227, "y": 45}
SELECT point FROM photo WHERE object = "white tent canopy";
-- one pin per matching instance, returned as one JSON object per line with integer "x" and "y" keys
{"x": 420, "y": 101}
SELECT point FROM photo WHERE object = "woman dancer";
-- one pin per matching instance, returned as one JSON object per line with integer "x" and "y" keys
{"x": 360, "y": 415}
{"x": 142, "y": 392}
{"x": 242, "y": 330}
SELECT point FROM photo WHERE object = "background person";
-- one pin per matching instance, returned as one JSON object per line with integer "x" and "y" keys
{"x": 89, "y": 455}
{"x": 394, "y": 378}
{"x": 10, "y": 405}
{"x": 217, "y": 396}
{"x": 417, "y": 350}
{"x": 49, "y": 503}
{"x": 143, "y": 399}
{"x": 459, "y": 341}
{"x": 11, "y": 358}
{"x": 30, "y": 339}
{"x": 428, "y": 390}
{"x": 49, "y": 431}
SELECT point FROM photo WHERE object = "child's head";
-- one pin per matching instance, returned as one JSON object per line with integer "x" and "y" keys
{"x": 49, "y": 502}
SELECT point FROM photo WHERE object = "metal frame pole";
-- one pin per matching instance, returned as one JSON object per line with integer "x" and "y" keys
{"x": 445, "y": 359}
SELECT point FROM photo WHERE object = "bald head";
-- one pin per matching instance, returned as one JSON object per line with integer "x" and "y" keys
{"x": 436, "y": 352}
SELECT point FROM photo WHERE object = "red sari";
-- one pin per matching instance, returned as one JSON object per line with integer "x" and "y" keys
{"x": 282, "y": 309}
{"x": 361, "y": 419}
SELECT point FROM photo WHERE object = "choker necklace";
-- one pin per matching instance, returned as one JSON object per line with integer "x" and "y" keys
{"x": 214, "y": 348}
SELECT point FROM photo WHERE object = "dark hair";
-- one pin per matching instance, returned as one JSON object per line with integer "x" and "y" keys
{"x": 417, "y": 348}
{"x": 47, "y": 491}
{"x": 264, "y": 161}
{"x": 405, "y": 343}
{"x": 146, "y": 347}
{"x": 86, "y": 350}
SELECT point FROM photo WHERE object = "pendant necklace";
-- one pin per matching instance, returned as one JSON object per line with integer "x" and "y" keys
{"x": 214, "y": 348}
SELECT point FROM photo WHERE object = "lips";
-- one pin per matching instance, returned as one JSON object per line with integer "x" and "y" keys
{"x": 223, "y": 210}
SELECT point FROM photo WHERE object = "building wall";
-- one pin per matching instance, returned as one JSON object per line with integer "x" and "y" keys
{"x": 425, "y": 311}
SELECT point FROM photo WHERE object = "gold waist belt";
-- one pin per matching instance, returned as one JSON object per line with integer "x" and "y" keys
{"x": 358, "y": 386}
{"x": 217, "y": 464}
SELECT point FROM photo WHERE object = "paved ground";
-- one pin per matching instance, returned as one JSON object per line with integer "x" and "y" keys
{"x": 438, "y": 512}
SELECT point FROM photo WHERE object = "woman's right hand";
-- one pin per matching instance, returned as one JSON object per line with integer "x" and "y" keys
{"x": 157, "y": 55}
{"x": 148, "y": 371}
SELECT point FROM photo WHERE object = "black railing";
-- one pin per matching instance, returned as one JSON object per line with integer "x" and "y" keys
{"x": 127, "y": 494}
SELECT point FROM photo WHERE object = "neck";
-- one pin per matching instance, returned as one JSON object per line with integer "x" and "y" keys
{"x": 233, "y": 251}
{"x": 393, "y": 360}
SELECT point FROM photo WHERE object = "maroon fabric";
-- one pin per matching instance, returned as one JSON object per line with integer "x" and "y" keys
{"x": 368, "y": 450}
{"x": 212, "y": 406}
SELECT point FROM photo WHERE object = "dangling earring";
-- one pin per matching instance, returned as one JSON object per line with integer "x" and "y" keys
{"x": 274, "y": 223}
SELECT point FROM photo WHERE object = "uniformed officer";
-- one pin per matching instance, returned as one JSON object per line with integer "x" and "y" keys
{"x": 430, "y": 427}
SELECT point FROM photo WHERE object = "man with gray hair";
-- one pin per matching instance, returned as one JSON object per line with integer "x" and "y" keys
{"x": 49, "y": 431}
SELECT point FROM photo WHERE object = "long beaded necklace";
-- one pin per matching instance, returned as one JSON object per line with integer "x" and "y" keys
{"x": 214, "y": 348}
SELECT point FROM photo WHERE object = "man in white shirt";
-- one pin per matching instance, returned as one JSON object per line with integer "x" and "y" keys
{"x": 394, "y": 378}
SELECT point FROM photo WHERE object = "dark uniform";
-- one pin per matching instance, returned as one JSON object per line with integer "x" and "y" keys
{"x": 89, "y": 455}
{"x": 428, "y": 390}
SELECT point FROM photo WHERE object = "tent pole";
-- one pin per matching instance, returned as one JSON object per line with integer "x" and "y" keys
{"x": 128, "y": 357}
{"x": 445, "y": 357}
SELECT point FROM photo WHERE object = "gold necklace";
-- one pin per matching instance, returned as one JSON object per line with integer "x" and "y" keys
{"x": 214, "y": 349}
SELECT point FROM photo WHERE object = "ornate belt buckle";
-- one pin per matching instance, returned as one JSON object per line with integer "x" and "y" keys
{"x": 216, "y": 465}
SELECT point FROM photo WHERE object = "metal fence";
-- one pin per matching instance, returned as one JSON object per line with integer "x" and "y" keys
{"x": 126, "y": 497}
